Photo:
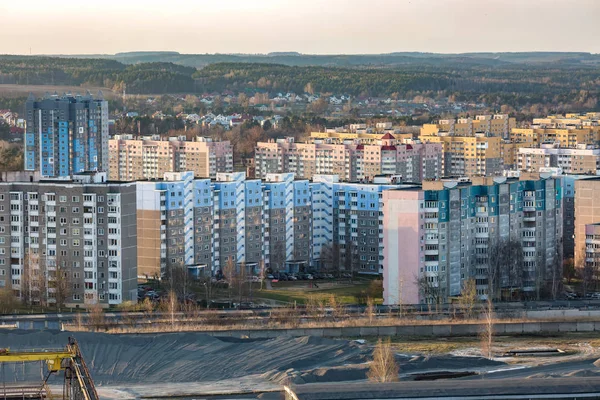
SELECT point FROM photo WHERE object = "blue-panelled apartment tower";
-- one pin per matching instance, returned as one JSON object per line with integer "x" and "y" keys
{"x": 66, "y": 135}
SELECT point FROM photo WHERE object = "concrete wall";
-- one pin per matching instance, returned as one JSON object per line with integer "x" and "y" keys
{"x": 525, "y": 328}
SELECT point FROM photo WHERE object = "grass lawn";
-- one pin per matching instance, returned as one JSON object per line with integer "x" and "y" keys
{"x": 290, "y": 294}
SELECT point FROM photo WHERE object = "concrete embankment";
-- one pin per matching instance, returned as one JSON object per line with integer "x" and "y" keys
{"x": 508, "y": 328}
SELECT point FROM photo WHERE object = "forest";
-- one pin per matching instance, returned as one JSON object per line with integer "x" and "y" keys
{"x": 574, "y": 83}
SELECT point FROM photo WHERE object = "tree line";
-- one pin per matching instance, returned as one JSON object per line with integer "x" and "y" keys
{"x": 568, "y": 84}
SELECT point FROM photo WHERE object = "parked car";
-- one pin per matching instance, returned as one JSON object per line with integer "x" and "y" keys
{"x": 270, "y": 276}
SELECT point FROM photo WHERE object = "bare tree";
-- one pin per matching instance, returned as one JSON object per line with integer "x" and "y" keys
{"x": 172, "y": 306}
{"x": 261, "y": 272}
{"x": 505, "y": 268}
{"x": 61, "y": 283}
{"x": 8, "y": 301}
{"x": 96, "y": 316}
{"x": 330, "y": 257}
{"x": 337, "y": 308}
{"x": 229, "y": 274}
{"x": 384, "y": 367}
{"x": 240, "y": 280}
{"x": 468, "y": 297}
{"x": 487, "y": 330}
{"x": 569, "y": 271}
{"x": 556, "y": 272}
{"x": 370, "y": 309}
{"x": 278, "y": 256}
{"x": 179, "y": 280}
{"x": 351, "y": 257}
{"x": 585, "y": 271}
{"x": 429, "y": 290}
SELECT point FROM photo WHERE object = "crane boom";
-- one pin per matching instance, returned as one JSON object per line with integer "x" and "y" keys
{"x": 77, "y": 379}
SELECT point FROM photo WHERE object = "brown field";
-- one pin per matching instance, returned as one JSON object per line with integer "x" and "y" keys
{"x": 23, "y": 90}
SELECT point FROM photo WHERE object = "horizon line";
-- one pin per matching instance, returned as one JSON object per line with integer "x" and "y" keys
{"x": 290, "y": 52}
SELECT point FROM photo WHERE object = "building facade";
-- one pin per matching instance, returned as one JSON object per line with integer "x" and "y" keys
{"x": 283, "y": 223}
{"x": 151, "y": 157}
{"x": 569, "y": 131}
{"x": 477, "y": 155}
{"x": 581, "y": 160}
{"x": 498, "y": 125}
{"x": 592, "y": 254}
{"x": 504, "y": 234}
{"x": 351, "y": 160}
{"x": 587, "y": 212}
{"x": 66, "y": 135}
{"x": 71, "y": 242}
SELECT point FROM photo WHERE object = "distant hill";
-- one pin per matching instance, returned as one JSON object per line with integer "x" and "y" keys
{"x": 557, "y": 80}
{"x": 354, "y": 60}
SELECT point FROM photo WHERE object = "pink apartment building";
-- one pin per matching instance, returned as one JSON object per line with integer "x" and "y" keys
{"x": 402, "y": 239}
{"x": 150, "y": 157}
{"x": 351, "y": 160}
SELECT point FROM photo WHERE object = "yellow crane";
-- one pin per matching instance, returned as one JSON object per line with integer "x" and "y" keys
{"x": 77, "y": 384}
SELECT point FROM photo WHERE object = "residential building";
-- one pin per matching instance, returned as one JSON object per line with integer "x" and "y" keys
{"x": 477, "y": 155}
{"x": 351, "y": 160}
{"x": 441, "y": 234}
{"x": 151, "y": 157}
{"x": 365, "y": 135}
{"x": 569, "y": 131}
{"x": 581, "y": 160}
{"x": 498, "y": 125}
{"x": 71, "y": 240}
{"x": 587, "y": 212}
{"x": 287, "y": 224}
{"x": 66, "y": 135}
{"x": 592, "y": 252}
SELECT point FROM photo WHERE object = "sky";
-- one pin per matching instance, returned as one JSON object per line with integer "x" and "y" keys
{"x": 306, "y": 26}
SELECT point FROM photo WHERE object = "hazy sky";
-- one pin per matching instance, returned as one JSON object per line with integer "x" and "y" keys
{"x": 307, "y": 26}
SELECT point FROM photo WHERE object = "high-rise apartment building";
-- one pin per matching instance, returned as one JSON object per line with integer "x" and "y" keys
{"x": 151, "y": 157}
{"x": 288, "y": 224}
{"x": 587, "y": 212}
{"x": 441, "y": 234}
{"x": 66, "y": 135}
{"x": 69, "y": 241}
{"x": 351, "y": 160}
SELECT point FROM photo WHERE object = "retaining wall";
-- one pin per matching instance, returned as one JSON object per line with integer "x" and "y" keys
{"x": 508, "y": 328}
